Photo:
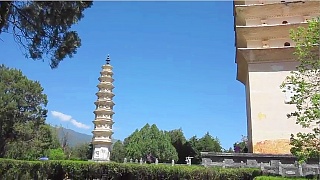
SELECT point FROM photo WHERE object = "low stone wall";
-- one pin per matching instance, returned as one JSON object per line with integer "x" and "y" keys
{"x": 284, "y": 165}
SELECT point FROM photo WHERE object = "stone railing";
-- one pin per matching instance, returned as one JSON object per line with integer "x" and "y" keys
{"x": 156, "y": 162}
{"x": 284, "y": 165}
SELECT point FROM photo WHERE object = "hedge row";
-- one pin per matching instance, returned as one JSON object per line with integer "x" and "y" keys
{"x": 58, "y": 170}
{"x": 282, "y": 178}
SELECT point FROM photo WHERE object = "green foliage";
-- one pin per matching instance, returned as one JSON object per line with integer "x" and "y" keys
{"x": 209, "y": 144}
{"x": 32, "y": 143}
{"x": 230, "y": 150}
{"x": 22, "y": 116}
{"x": 55, "y": 138}
{"x": 242, "y": 144}
{"x": 164, "y": 145}
{"x": 150, "y": 140}
{"x": 56, "y": 154}
{"x": 181, "y": 145}
{"x": 14, "y": 169}
{"x": 42, "y": 28}
{"x": 118, "y": 152}
{"x": 279, "y": 178}
{"x": 82, "y": 151}
{"x": 177, "y": 136}
{"x": 205, "y": 144}
{"x": 305, "y": 81}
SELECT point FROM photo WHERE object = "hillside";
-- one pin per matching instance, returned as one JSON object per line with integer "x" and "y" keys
{"x": 74, "y": 138}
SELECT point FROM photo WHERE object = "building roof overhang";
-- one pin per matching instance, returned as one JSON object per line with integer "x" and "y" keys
{"x": 295, "y": 8}
{"x": 242, "y": 69}
{"x": 273, "y": 54}
{"x": 247, "y": 56}
{"x": 101, "y": 142}
{"x": 267, "y": 54}
{"x": 102, "y": 121}
{"x": 263, "y": 32}
{"x": 234, "y": 28}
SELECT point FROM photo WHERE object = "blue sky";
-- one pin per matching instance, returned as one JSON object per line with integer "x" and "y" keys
{"x": 174, "y": 66}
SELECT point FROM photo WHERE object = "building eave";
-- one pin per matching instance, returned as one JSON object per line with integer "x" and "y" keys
{"x": 234, "y": 29}
{"x": 267, "y": 54}
{"x": 278, "y": 9}
{"x": 242, "y": 68}
{"x": 263, "y": 32}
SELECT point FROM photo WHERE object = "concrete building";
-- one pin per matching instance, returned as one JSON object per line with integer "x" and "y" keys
{"x": 264, "y": 57}
{"x": 103, "y": 115}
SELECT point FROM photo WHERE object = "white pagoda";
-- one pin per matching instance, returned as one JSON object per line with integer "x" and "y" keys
{"x": 102, "y": 133}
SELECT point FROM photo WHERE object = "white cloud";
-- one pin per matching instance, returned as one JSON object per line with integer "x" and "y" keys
{"x": 61, "y": 116}
{"x": 68, "y": 118}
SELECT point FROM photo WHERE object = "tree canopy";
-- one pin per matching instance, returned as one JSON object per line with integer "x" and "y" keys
{"x": 118, "y": 152}
{"x": 164, "y": 145}
{"x": 181, "y": 145}
{"x": 43, "y": 28}
{"x": 150, "y": 139}
{"x": 205, "y": 144}
{"x": 306, "y": 85}
{"x": 22, "y": 116}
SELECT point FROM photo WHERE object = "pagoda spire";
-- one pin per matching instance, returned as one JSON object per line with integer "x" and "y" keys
{"x": 102, "y": 133}
{"x": 108, "y": 59}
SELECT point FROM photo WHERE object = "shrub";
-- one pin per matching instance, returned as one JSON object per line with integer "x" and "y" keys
{"x": 56, "y": 154}
{"x": 281, "y": 178}
{"x": 16, "y": 169}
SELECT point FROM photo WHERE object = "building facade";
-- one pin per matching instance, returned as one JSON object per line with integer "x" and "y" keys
{"x": 102, "y": 133}
{"x": 264, "y": 57}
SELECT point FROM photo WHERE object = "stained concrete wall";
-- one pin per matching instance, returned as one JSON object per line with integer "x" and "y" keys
{"x": 270, "y": 127}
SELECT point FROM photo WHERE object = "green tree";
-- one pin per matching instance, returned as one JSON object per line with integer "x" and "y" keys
{"x": 131, "y": 144}
{"x": 118, "y": 152}
{"x": 32, "y": 143}
{"x": 305, "y": 83}
{"x": 42, "y": 28}
{"x": 230, "y": 150}
{"x": 150, "y": 140}
{"x": 56, "y": 154}
{"x": 205, "y": 144}
{"x": 55, "y": 137}
{"x": 194, "y": 143}
{"x": 22, "y": 110}
{"x": 181, "y": 145}
{"x": 243, "y": 143}
{"x": 90, "y": 151}
{"x": 209, "y": 144}
{"x": 81, "y": 152}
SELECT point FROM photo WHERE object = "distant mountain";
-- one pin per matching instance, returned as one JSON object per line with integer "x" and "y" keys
{"x": 74, "y": 138}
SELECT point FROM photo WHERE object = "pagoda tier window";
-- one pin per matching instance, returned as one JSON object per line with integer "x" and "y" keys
{"x": 287, "y": 44}
{"x": 265, "y": 44}
{"x": 263, "y": 21}
{"x": 284, "y": 22}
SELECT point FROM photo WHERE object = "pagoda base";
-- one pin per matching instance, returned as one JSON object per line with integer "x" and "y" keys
{"x": 101, "y": 153}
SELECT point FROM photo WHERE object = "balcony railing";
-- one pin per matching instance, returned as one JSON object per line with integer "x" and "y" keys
{"x": 104, "y": 116}
{"x": 101, "y": 139}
